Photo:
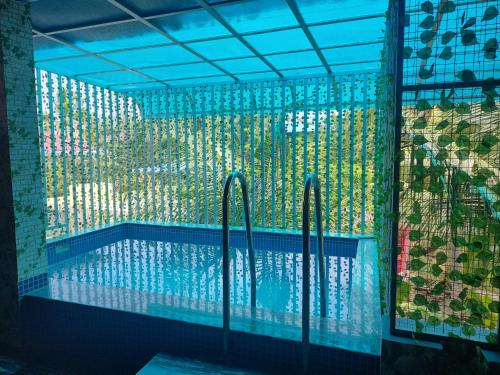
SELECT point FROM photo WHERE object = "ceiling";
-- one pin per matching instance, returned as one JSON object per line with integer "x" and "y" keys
{"x": 134, "y": 44}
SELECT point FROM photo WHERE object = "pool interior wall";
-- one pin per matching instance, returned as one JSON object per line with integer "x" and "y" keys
{"x": 183, "y": 324}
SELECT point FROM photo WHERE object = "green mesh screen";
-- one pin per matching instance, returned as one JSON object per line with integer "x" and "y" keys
{"x": 448, "y": 268}
{"x": 162, "y": 156}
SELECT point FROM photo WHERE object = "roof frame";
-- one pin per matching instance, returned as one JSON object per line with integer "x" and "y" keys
{"x": 234, "y": 33}
{"x": 339, "y": 46}
{"x": 300, "y": 19}
{"x": 131, "y": 19}
{"x": 155, "y": 28}
{"x": 92, "y": 54}
{"x": 256, "y": 72}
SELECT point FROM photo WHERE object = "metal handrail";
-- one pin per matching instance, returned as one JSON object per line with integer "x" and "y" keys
{"x": 225, "y": 251}
{"x": 311, "y": 180}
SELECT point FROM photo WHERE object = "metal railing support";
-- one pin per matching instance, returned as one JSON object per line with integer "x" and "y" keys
{"x": 311, "y": 181}
{"x": 225, "y": 251}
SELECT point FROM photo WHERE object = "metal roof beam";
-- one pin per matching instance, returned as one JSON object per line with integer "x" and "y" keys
{"x": 168, "y": 36}
{"x": 234, "y": 33}
{"x": 298, "y": 16}
{"x": 131, "y": 19}
{"x": 228, "y": 58}
{"x": 88, "y": 53}
{"x": 257, "y": 72}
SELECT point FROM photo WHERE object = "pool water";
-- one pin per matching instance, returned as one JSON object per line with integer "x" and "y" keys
{"x": 194, "y": 272}
{"x": 179, "y": 277}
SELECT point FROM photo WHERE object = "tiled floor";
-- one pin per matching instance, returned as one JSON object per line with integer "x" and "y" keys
{"x": 9, "y": 365}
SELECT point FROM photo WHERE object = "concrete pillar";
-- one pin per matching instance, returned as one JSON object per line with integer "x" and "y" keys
{"x": 22, "y": 209}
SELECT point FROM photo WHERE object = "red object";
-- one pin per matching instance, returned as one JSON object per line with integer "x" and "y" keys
{"x": 404, "y": 246}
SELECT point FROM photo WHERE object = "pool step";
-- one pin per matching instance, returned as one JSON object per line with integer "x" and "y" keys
{"x": 165, "y": 364}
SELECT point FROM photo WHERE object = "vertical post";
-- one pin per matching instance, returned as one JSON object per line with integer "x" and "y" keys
{"x": 9, "y": 309}
{"x": 400, "y": 19}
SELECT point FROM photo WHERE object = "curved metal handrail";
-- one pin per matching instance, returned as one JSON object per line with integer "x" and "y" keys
{"x": 225, "y": 251}
{"x": 311, "y": 180}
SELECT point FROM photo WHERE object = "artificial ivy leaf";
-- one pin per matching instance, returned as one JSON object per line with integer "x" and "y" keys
{"x": 442, "y": 125}
{"x": 427, "y": 36}
{"x": 453, "y": 321}
{"x": 459, "y": 241}
{"x": 447, "y": 37}
{"x": 417, "y": 251}
{"x": 424, "y": 73}
{"x": 441, "y": 258}
{"x": 466, "y": 75}
{"x": 444, "y": 140}
{"x": 420, "y": 123}
{"x": 407, "y": 52}
{"x": 495, "y": 282}
{"x": 442, "y": 154}
{"x": 418, "y": 281}
{"x": 436, "y": 270}
{"x": 416, "y": 264}
{"x": 480, "y": 222}
{"x": 485, "y": 255}
{"x": 433, "y": 321}
{"x": 470, "y": 22}
{"x": 415, "y": 315}
{"x": 417, "y": 186}
{"x": 407, "y": 20}
{"x": 492, "y": 338}
{"x": 462, "y": 154}
{"x": 482, "y": 150}
{"x": 448, "y": 7}
{"x": 420, "y": 154}
{"x": 463, "y": 293}
{"x": 436, "y": 187}
{"x": 489, "y": 140}
{"x": 400, "y": 311}
{"x": 494, "y": 307}
{"x": 490, "y": 48}
{"x": 462, "y": 125}
{"x": 456, "y": 305}
{"x": 468, "y": 37}
{"x": 422, "y": 105}
{"x": 488, "y": 105}
{"x": 415, "y": 235}
{"x": 419, "y": 140}
{"x": 468, "y": 330}
{"x": 462, "y": 108}
{"x": 455, "y": 275}
{"x": 475, "y": 320}
{"x": 427, "y": 7}
{"x": 427, "y": 22}
{"x": 420, "y": 300}
{"x": 415, "y": 218}
{"x": 462, "y": 258}
{"x": 438, "y": 289}
{"x": 446, "y": 53}
{"x": 472, "y": 280}
{"x": 433, "y": 306}
{"x": 462, "y": 141}
{"x": 424, "y": 53}
{"x": 490, "y": 13}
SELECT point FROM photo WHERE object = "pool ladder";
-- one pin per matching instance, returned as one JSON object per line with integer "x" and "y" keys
{"x": 311, "y": 181}
{"x": 225, "y": 252}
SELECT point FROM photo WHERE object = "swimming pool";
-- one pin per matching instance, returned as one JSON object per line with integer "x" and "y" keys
{"x": 176, "y": 273}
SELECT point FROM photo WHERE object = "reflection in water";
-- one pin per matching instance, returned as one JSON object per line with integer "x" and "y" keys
{"x": 193, "y": 272}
